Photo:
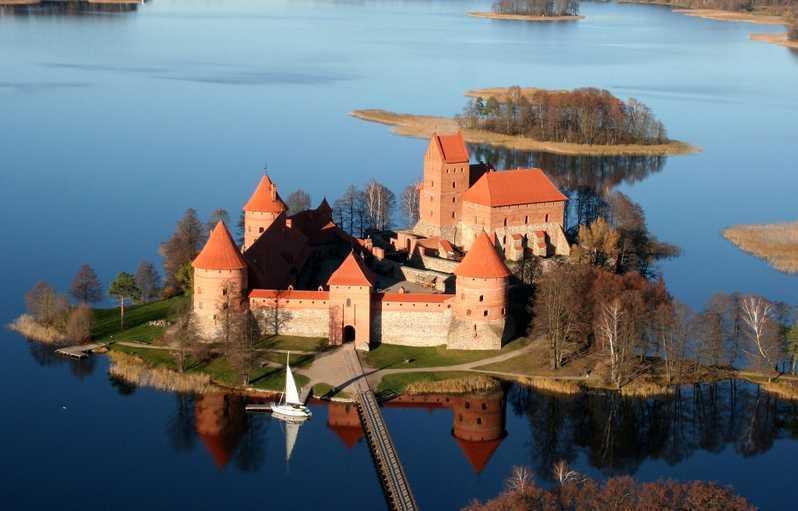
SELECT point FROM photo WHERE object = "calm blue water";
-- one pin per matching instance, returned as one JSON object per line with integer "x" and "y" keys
{"x": 115, "y": 123}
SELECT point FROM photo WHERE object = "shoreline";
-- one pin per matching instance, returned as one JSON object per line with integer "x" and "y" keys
{"x": 743, "y": 17}
{"x": 777, "y": 39}
{"x": 522, "y": 17}
{"x": 423, "y": 126}
{"x": 776, "y": 244}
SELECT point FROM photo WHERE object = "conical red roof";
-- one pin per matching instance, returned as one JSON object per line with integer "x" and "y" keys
{"x": 349, "y": 435}
{"x": 352, "y": 272}
{"x": 265, "y": 198}
{"x": 478, "y": 454}
{"x": 482, "y": 261}
{"x": 220, "y": 252}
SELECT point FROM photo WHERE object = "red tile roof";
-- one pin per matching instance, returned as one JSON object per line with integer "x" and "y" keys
{"x": 265, "y": 198}
{"x": 482, "y": 261}
{"x": 513, "y": 187}
{"x": 478, "y": 454}
{"x": 414, "y": 297}
{"x": 452, "y": 147}
{"x": 352, "y": 272}
{"x": 220, "y": 252}
{"x": 289, "y": 294}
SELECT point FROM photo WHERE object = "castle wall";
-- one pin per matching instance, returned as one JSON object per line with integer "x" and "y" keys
{"x": 300, "y": 313}
{"x": 508, "y": 220}
{"x": 256, "y": 223}
{"x": 411, "y": 323}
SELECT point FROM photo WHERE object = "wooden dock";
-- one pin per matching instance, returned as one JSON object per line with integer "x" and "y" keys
{"x": 392, "y": 474}
{"x": 80, "y": 351}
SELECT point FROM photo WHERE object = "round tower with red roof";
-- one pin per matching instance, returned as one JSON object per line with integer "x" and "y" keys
{"x": 263, "y": 209}
{"x": 220, "y": 280}
{"x": 480, "y": 305}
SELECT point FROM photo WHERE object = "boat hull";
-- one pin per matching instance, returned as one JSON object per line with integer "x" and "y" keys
{"x": 291, "y": 413}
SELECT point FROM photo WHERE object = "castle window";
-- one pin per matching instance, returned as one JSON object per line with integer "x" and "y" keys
{"x": 468, "y": 312}
{"x": 526, "y": 219}
{"x": 260, "y": 229}
{"x": 479, "y": 420}
{"x": 547, "y": 217}
{"x": 452, "y": 214}
{"x": 454, "y": 184}
{"x": 348, "y": 302}
{"x": 460, "y": 417}
{"x": 485, "y": 313}
{"x": 224, "y": 292}
{"x": 467, "y": 405}
{"x": 432, "y": 184}
{"x": 484, "y": 406}
{"x": 481, "y": 298}
{"x": 454, "y": 200}
{"x": 505, "y": 221}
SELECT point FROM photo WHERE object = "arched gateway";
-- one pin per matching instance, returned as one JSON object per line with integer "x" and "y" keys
{"x": 348, "y": 333}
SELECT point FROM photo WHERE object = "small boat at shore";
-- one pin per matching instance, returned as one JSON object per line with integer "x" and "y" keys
{"x": 290, "y": 408}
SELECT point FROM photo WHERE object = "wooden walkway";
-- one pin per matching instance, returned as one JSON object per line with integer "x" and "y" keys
{"x": 392, "y": 474}
{"x": 79, "y": 351}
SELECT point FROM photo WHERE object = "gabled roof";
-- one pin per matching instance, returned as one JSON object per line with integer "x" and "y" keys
{"x": 352, "y": 272}
{"x": 220, "y": 252}
{"x": 451, "y": 146}
{"x": 513, "y": 187}
{"x": 265, "y": 198}
{"x": 482, "y": 261}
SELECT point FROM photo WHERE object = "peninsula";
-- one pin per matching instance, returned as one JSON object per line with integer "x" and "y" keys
{"x": 775, "y": 243}
{"x": 523, "y": 17}
{"x": 486, "y": 120}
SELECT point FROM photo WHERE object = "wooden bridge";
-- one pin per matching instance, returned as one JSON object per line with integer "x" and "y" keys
{"x": 392, "y": 474}
{"x": 386, "y": 460}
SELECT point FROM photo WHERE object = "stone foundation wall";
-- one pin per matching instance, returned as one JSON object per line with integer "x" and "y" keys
{"x": 470, "y": 335}
{"x": 438, "y": 264}
{"x": 411, "y": 328}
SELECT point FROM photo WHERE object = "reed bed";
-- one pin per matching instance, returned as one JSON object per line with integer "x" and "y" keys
{"x": 553, "y": 386}
{"x": 132, "y": 369}
{"x": 32, "y": 329}
{"x": 463, "y": 385}
{"x": 645, "y": 388}
{"x": 775, "y": 243}
{"x": 782, "y": 389}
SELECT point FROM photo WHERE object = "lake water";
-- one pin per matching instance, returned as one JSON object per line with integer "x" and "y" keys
{"x": 115, "y": 122}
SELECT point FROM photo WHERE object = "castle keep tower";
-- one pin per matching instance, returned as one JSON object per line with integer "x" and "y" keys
{"x": 220, "y": 280}
{"x": 350, "y": 303}
{"x": 263, "y": 209}
{"x": 479, "y": 426}
{"x": 446, "y": 178}
{"x": 480, "y": 307}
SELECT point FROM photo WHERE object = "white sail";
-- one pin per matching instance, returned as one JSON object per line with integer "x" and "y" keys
{"x": 291, "y": 430}
{"x": 291, "y": 393}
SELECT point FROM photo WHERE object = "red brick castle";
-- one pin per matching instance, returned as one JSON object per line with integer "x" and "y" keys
{"x": 302, "y": 275}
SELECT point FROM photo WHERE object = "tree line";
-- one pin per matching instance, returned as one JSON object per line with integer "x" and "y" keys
{"x": 75, "y": 319}
{"x": 575, "y": 491}
{"x": 537, "y": 7}
{"x": 581, "y": 116}
{"x": 362, "y": 210}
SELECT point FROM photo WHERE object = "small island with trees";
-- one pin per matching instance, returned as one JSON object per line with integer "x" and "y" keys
{"x": 532, "y": 10}
{"x": 584, "y": 121}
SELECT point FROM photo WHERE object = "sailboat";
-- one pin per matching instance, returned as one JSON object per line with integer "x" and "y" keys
{"x": 290, "y": 408}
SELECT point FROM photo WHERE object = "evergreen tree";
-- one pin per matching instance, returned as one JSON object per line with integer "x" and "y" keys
{"x": 123, "y": 288}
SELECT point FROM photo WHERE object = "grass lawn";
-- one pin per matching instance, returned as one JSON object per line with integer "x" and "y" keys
{"x": 266, "y": 378}
{"x": 398, "y": 382}
{"x": 106, "y": 321}
{"x": 393, "y": 356}
{"x": 153, "y": 358}
{"x": 536, "y": 363}
{"x": 293, "y": 343}
{"x": 297, "y": 360}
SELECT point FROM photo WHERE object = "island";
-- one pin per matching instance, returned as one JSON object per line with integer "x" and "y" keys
{"x": 532, "y": 10}
{"x": 534, "y": 119}
{"x": 775, "y": 243}
{"x": 484, "y": 284}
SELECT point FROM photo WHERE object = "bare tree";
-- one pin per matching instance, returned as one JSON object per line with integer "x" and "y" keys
{"x": 347, "y": 210}
{"x": 759, "y": 330}
{"x": 380, "y": 203}
{"x": 274, "y": 317}
{"x": 240, "y": 349}
{"x": 183, "y": 245}
{"x": 216, "y": 216}
{"x": 560, "y": 311}
{"x": 79, "y": 324}
{"x": 183, "y": 334}
{"x": 86, "y": 287}
{"x": 45, "y": 305}
{"x": 608, "y": 329}
{"x": 298, "y": 201}
{"x": 410, "y": 203}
